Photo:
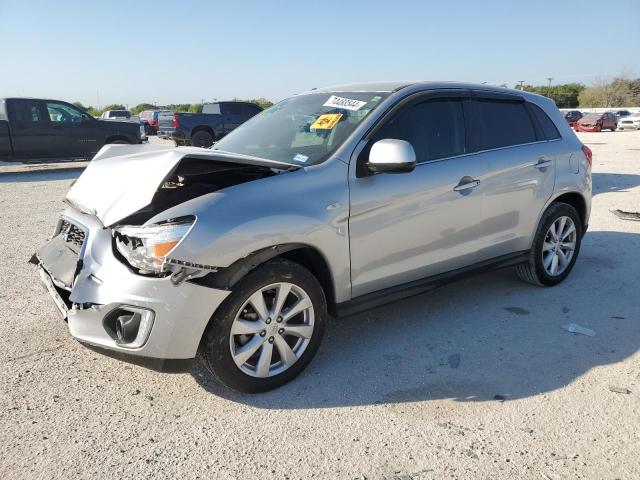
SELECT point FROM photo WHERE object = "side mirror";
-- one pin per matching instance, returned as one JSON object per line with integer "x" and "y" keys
{"x": 391, "y": 156}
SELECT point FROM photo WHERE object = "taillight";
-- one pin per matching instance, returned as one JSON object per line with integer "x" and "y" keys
{"x": 176, "y": 124}
{"x": 587, "y": 153}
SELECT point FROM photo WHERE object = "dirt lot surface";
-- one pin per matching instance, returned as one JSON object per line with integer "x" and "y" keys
{"x": 474, "y": 380}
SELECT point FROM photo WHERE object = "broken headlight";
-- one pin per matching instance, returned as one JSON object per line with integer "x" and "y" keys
{"x": 146, "y": 247}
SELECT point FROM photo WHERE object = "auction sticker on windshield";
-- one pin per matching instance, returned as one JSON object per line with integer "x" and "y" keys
{"x": 346, "y": 103}
{"x": 326, "y": 121}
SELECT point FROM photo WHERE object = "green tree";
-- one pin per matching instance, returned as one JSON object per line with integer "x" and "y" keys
{"x": 114, "y": 106}
{"x": 261, "y": 102}
{"x": 565, "y": 95}
{"x": 94, "y": 112}
{"x": 603, "y": 94}
{"x": 179, "y": 107}
{"x": 142, "y": 106}
{"x": 195, "y": 108}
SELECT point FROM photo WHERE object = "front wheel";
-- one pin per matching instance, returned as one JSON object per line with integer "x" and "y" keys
{"x": 555, "y": 246}
{"x": 267, "y": 330}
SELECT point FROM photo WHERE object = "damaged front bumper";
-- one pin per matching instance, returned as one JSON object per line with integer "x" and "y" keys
{"x": 97, "y": 294}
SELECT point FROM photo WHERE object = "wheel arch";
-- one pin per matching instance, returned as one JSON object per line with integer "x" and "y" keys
{"x": 116, "y": 138}
{"x": 203, "y": 128}
{"x": 303, "y": 254}
{"x": 577, "y": 201}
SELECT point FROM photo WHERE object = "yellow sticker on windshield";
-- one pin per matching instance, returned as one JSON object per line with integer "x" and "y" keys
{"x": 326, "y": 121}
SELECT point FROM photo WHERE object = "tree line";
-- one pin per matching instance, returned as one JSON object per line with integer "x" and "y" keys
{"x": 622, "y": 91}
{"x": 174, "y": 107}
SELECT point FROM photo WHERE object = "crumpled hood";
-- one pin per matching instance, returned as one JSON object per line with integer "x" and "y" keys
{"x": 122, "y": 179}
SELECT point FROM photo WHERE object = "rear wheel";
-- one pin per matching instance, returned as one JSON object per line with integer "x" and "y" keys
{"x": 118, "y": 142}
{"x": 555, "y": 246}
{"x": 202, "y": 139}
{"x": 268, "y": 329}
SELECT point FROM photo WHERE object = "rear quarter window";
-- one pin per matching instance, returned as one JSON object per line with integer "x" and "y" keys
{"x": 546, "y": 124}
{"x": 503, "y": 123}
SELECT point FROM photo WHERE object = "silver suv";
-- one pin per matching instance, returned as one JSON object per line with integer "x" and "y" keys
{"x": 330, "y": 202}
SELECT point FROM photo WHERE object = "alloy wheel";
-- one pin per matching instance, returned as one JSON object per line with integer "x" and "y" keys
{"x": 272, "y": 330}
{"x": 559, "y": 246}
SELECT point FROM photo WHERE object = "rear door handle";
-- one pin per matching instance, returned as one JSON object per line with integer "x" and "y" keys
{"x": 466, "y": 183}
{"x": 543, "y": 162}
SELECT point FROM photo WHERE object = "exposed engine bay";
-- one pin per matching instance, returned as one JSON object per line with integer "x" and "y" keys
{"x": 195, "y": 177}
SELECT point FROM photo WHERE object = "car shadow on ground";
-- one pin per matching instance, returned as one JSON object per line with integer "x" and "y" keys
{"x": 614, "y": 182}
{"x": 483, "y": 337}
{"x": 41, "y": 176}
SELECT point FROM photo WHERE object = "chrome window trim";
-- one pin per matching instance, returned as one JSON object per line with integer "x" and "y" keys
{"x": 487, "y": 150}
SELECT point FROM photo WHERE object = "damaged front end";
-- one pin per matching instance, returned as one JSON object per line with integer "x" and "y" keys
{"x": 109, "y": 266}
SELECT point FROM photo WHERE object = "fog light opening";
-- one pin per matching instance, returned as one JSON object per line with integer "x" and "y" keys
{"x": 129, "y": 326}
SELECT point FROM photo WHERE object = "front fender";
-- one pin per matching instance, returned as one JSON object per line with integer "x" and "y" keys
{"x": 307, "y": 207}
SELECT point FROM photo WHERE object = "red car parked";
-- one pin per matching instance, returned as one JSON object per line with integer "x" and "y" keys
{"x": 595, "y": 122}
{"x": 150, "y": 120}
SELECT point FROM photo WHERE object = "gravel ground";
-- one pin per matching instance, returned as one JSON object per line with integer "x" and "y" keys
{"x": 385, "y": 397}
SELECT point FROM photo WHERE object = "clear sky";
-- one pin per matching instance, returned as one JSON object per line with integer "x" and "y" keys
{"x": 183, "y": 51}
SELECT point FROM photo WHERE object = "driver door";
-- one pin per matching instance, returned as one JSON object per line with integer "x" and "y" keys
{"x": 73, "y": 134}
{"x": 408, "y": 226}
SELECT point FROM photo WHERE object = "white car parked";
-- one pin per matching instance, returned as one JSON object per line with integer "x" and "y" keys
{"x": 632, "y": 122}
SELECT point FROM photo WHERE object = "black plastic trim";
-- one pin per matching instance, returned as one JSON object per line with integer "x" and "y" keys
{"x": 226, "y": 278}
{"x": 400, "y": 292}
{"x": 164, "y": 365}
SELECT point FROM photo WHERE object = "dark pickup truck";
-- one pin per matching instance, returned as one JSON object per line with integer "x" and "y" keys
{"x": 35, "y": 129}
{"x": 202, "y": 129}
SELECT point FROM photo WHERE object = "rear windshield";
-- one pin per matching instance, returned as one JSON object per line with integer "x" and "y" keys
{"x": 119, "y": 113}
{"x": 302, "y": 130}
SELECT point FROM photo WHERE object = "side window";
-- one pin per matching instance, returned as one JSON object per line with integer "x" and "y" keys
{"x": 26, "y": 111}
{"x": 504, "y": 123}
{"x": 548, "y": 127}
{"x": 232, "y": 109}
{"x": 435, "y": 128}
{"x": 250, "y": 110}
{"x": 212, "y": 108}
{"x": 61, "y": 113}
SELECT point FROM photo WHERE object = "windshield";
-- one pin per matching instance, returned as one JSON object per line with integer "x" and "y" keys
{"x": 302, "y": 130}
{"x": 592, "y": 116}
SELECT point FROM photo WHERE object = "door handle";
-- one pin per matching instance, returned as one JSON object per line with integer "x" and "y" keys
{"x": 543, "y": 162}
{"x": 466, "y": 183}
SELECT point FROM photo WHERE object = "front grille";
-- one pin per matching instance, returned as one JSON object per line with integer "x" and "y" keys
{"x": 72, "y": 235}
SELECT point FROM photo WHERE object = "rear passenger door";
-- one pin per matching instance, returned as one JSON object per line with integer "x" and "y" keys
{"x": 509, "y": 139}
{"x": 30, "y": 130}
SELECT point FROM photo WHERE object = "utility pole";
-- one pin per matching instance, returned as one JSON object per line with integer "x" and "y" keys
{"x": 520, "y": 82}
{"x": 549, "y": 88}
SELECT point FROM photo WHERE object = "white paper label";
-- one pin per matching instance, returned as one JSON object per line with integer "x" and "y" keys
{"x": 346, "y": 103}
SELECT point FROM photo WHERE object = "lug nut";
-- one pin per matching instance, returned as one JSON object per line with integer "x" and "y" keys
{"x": 270, "y": 339}
{"x": 263, "y": 333}
{"x": 281, "y": 331}
{"x": 268, "y": 320}
{"x": 279, "y": 319}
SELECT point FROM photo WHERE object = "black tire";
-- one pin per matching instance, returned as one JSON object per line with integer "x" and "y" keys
{"x": 214, "y": 351}
{"x": 533, "y": 270}
{"x": 202, "y": 139}
{"x": 118, "y": 142}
